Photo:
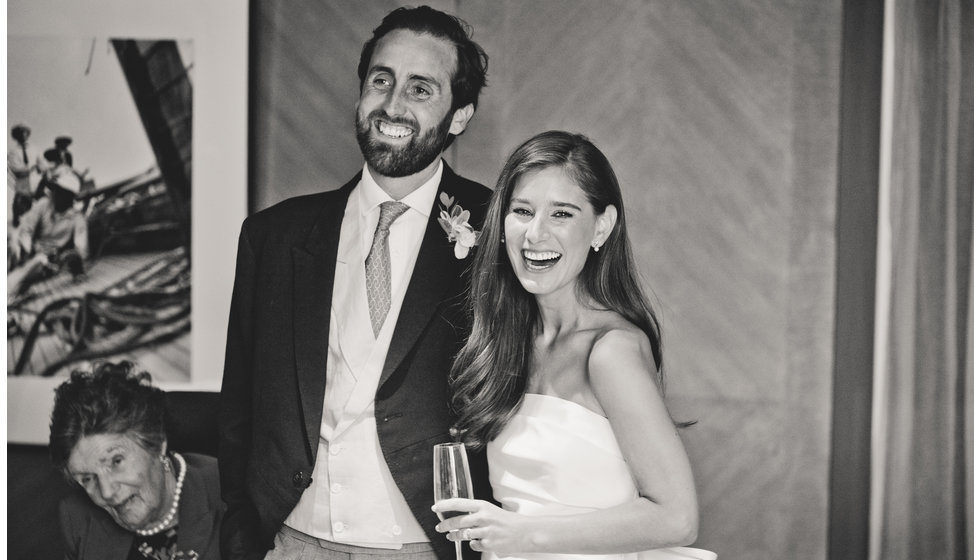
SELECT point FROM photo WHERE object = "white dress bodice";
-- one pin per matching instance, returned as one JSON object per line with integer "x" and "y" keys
{"x": 556, "y": 457}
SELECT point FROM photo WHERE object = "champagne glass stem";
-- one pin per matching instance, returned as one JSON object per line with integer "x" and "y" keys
{"x": 459, "y": 550}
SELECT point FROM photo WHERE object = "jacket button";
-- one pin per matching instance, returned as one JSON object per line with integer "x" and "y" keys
{"x": 301, "y": 480}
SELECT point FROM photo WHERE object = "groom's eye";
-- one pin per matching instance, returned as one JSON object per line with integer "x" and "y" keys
{"x": 420, "y": 92}
{"x": 381, "y": 82}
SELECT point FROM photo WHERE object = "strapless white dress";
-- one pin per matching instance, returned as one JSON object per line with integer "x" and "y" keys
{"x": 556, "y": 457}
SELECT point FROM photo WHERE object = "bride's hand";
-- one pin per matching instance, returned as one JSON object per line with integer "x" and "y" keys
{"x": 485, "y": 526}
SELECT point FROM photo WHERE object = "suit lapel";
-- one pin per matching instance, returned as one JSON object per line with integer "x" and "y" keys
{"x": 435, "y": 270}
{"x": 313, "y": 273}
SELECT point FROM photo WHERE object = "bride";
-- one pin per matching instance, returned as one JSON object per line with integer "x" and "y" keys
{"x": 561, "y": 377}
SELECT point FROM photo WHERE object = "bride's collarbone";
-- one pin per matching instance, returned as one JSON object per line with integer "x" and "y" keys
{"x": 561, "y": 375}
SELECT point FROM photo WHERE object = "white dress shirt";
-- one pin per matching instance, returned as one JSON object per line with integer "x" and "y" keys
{"x": 353, "y": 498}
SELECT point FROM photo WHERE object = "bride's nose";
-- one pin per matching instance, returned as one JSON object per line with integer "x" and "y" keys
{"x": 537, "y": 229}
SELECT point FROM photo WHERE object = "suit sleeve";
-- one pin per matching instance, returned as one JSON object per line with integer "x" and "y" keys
{"x": 68, "y": 532}
{"x": 240, "y": 524}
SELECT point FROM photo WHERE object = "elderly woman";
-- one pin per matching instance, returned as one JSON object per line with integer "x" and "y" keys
{"x": 140, "y": 500}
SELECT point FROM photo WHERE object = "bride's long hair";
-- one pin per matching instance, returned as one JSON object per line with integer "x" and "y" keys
{"x": 489, "y": 375}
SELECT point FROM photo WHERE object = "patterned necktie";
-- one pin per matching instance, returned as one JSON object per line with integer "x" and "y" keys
{"x": 377, "y": 267}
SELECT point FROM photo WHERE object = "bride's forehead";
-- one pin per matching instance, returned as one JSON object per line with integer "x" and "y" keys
{"x": 549, "y": 184}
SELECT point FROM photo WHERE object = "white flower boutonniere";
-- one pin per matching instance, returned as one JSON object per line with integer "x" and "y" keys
{"x": 456, "y": 223}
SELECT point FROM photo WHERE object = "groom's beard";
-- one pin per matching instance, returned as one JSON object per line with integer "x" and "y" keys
{"x": 393, "y": 161}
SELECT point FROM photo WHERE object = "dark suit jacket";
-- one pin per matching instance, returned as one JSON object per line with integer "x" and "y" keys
{"x": 275, "y": 364}
{"x": 90, "y": 534}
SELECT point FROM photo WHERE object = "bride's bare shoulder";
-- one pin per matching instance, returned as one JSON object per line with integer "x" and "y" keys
{"x": 619, "y": 349}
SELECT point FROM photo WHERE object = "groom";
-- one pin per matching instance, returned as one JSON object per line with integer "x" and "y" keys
{"x": 346, "y": 313}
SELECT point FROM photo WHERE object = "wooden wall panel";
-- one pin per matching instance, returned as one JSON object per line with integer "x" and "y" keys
{"x": 720, "y": 119}
{"x": 810, "y": 277}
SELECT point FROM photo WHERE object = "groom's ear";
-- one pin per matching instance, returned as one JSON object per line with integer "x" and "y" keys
{"x": 461, "y": 117}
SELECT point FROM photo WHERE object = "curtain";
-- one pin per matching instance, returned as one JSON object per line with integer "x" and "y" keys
{"x": 922, "y": 452}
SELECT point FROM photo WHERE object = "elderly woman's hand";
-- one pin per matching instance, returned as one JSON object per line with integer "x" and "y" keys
{"x": 486, "y": 526}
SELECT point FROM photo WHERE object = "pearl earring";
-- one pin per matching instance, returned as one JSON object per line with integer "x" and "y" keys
{"x": 595, "y": 247}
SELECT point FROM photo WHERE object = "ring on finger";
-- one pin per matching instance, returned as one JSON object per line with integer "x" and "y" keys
{"x": 466, "y": 534}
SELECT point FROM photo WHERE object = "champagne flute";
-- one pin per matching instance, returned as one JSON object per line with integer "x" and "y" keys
{"x": 451, "y": 475}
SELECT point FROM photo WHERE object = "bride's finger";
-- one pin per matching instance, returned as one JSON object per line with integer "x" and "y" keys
{"x": 455, "y": 536}
{"x": 452, "y": 525}
{"x": 456, "y": 504}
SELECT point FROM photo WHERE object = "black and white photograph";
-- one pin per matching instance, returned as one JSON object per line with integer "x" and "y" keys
{"x": 491, "y": 280}
{"x": 98, "y": 122}
{"x": 123, "y": 223}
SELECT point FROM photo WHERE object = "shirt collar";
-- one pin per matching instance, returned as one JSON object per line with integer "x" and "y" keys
{"x": 372, "y": 195}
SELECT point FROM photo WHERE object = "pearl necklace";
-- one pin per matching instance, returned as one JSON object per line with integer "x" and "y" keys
{"x": 173, "y": 507}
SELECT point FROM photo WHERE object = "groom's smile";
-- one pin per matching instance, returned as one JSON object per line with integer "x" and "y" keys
{"x": 393, "y": 130}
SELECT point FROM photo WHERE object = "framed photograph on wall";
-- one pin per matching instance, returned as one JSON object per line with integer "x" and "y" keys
{"x": 127, "y": 184}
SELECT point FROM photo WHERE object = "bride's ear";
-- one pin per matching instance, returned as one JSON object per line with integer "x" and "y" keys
{"x": 604, "y": 225}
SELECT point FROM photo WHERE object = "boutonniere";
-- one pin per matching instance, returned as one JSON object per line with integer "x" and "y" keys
{"x": 456, "y": 223}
